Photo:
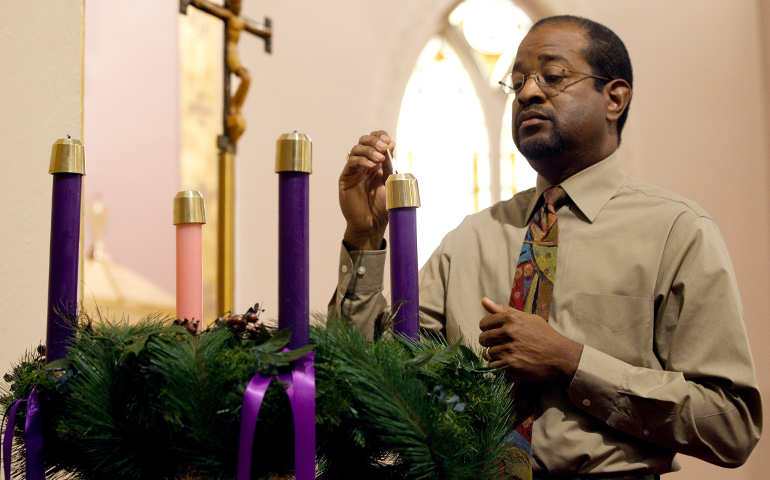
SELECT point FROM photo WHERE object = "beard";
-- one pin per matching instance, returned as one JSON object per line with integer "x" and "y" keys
{"x": 539, "y": 147}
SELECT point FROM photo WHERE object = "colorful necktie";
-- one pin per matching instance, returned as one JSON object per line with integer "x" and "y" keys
{"x": 531, "y": 293}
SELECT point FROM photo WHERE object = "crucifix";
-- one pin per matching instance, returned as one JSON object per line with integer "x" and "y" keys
{"x": 233, "y": 126}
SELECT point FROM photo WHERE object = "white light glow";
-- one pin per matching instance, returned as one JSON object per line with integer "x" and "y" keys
{"x": 441, "y": 126}
{"x": 493, "y": 26}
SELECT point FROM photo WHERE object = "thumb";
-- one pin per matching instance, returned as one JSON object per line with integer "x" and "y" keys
{"x": 491, "y": 306}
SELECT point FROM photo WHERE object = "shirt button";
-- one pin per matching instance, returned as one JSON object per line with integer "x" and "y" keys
{"x": 361, "y": 270}
{"x": 344, "y": 269}
{"x": 586, "y": 402}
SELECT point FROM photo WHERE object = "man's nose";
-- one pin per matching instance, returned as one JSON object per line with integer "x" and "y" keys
{"x": 530, "y": 92}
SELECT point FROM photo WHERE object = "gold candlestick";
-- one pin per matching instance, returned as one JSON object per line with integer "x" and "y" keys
{"x": 226, "y": 234}
{"x": 475, "y": 182}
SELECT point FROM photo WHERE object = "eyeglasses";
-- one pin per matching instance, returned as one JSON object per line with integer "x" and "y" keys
{"x": 551, "y": 80}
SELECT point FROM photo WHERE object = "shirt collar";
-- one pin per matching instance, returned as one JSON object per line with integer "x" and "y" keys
{"x": 589, "y": 189}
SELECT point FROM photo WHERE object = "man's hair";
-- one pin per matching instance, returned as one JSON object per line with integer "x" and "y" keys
{"x": 606, "y": 54}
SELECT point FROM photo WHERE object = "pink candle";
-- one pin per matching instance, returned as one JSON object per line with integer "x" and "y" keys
{"x": 189, "y": 217}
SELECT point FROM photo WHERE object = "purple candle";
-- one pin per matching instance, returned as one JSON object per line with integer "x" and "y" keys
{"x": 67, "y": 168}
{"x": 293, "y": 163}
{"x": 402, "y": 199}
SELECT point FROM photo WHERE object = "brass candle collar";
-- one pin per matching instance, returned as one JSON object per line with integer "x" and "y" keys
{"x": 294, "y": 153}
{"x": 67, "y": 156}
{"x": 401, "y": 191}
{"x": 189, "y": 207}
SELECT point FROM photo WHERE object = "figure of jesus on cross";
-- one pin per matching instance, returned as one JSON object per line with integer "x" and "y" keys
{"x": 230, "y": 13}
{"x": 233, "y": 125}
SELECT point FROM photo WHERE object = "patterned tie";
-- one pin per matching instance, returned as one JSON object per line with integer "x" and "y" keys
{"x": 531, "y": 293}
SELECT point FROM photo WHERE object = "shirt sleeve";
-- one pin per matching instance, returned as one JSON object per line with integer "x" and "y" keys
{"x": 434, "y": 277}
{"x": 358, "y": 295}
{"x": 705, "y": 400}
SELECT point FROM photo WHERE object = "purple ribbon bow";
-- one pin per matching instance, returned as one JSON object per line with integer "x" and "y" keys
{"x": 301, "y": 392}
{"x": 33, "y": 438}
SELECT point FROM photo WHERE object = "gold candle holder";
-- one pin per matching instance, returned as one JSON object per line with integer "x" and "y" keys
{"x": 189, "y": 207}
{"x": 294, "y": 153}
{"x": 401, "y": 191}
{"x": 67, "y": 156}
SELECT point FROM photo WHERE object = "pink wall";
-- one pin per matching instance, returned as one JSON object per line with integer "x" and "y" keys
{"x": 131, "y": 129}
{"x": 698, "y": 126}
{"x": 760, "y": 463}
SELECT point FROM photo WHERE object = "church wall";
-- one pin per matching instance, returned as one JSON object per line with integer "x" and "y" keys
{"x": 696, "y": 127}
{"x": 40, "y": 94}
{"x": 331, "y": 66}
{"x": 131, "y": 122}
{"x": 761, "y": 461}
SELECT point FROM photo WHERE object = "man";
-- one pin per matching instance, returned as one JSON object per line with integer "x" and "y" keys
{"x": 644, "y": 351}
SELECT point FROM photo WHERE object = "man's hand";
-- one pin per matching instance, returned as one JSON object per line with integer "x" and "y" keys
{"x": 362, "y": 190}
{"x": 526, "y": 345}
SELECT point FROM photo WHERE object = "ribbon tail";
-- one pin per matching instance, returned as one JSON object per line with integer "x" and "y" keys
{"x": 252, "y": 401}
{"x": 8, "y": 438}
{"x": 33, "y": 438}
{"x": 302, "y": 398}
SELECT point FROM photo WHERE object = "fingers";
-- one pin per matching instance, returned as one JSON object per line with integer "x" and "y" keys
{"x": 496, "y": 336}
{"x": 372, "y": 147}
{"x": 493, "y": 320}
{"x": 384, "y": 137}
{"x": 491, "y": 306}
{"x": 367, "y": 151}
{"x": 504, "y": 358}
{"x": 357, "y": 162}
{"x": 498, "y": 356}
{"x": 366, "y": 158}
{"x": 379, "y": 140}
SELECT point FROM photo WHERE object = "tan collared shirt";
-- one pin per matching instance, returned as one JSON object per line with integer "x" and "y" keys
{"x": 644, "y": 281}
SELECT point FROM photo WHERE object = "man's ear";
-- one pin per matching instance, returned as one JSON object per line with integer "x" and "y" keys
{"x": 618, "y": 93}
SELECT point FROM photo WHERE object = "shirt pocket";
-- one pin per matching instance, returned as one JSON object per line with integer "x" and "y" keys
{"x": 618, "y": 325}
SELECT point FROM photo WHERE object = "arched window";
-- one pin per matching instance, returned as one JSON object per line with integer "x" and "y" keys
{"x": 454, "y": 127}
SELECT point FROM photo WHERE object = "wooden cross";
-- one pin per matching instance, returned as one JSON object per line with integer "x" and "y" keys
{"x": 233, "y": 126}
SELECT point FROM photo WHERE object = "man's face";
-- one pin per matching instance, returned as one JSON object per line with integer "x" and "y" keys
{"x": 550, "y": 128}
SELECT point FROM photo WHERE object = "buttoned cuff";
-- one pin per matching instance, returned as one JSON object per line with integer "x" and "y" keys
{"x": 614, "y": 391}
{"x": 600, "y": 388}
{"x": 596, "y": 382}
{"x": 360, "y": 271}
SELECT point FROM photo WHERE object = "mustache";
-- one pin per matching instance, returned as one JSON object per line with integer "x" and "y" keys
{"x": 531, "y": 112}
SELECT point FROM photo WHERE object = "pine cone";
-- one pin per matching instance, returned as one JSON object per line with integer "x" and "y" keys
{"x": 247, "y": 324}
{"x": 189, "y": 325}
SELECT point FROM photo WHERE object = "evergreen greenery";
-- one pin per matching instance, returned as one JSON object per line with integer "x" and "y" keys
{"x": 153, "y": 401}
